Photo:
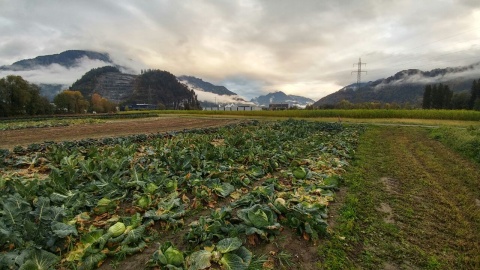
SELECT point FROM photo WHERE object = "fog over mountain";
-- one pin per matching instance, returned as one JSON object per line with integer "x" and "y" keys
{"x": 280, "y": 97}
{"x": 211, "y": 95}
{"x": 56, "y": 72}
{"x": 405, "y": 86}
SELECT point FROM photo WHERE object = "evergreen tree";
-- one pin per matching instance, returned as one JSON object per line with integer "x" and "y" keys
{"x": 436, "y": 96}
{"x": 473, "y": 95}
{"x": 447, "y": 97}
{"x": 427, "y": 97}
{"x": 474, "y": 102}
{"x": 440, "y": 97}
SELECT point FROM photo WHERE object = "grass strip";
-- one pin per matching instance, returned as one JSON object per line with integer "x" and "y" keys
{"x": 411, "y": 203}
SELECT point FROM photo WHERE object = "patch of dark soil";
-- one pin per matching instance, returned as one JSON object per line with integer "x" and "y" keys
{"x": 289, "y": 251}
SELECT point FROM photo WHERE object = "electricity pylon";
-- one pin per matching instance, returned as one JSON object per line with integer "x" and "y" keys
{"x": 359, "y": 71}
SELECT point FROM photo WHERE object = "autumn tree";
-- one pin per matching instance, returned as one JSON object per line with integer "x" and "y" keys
{"x": 100, "y": 104}
{"x": 70, "y": 101}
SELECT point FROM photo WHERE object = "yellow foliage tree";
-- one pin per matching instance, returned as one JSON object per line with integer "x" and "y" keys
{"x": 101, "y": 105}
{"x": 71, "y": 101}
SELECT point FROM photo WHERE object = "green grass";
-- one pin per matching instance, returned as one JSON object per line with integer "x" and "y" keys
{"x": 465, "y": 141}
{"x": 426, "y": 179}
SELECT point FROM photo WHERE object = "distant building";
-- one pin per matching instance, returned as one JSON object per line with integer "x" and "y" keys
{"x": 278, "y": 106}
{"x": 233, "y": 108}
{"x": 142, "y": 106}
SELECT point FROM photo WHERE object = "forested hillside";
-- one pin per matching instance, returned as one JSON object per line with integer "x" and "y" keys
{"x": 406, "y": 86}
{"x": 162, "y": 88}
{"x": 87, "y": 83}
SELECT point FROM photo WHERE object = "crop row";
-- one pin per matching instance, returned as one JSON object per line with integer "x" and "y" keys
{"x": 72, "y": 205}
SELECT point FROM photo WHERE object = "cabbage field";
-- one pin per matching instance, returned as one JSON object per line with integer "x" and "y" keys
{"x": 220, "y": 191}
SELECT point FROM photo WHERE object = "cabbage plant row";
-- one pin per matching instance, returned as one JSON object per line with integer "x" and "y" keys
{"x": 73, "y": 204}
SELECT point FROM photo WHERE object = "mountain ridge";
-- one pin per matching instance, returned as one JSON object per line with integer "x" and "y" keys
{"x": 66, "y": 59}
{"x": 405, "y": 86}
{"x": 206, "y": 86}
{"x": 46, "y": 69}
{"x": 281, "y": 97}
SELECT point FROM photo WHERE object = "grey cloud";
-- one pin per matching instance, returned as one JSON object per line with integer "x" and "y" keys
{"x": 254, "y": 46}
{"x": 56, "y": 74}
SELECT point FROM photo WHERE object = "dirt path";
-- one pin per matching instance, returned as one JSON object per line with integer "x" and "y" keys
{"x": 11, "y": 138}
{"x": 412, "y": 203}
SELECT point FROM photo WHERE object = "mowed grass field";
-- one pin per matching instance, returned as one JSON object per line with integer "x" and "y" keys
{"x": 409, "y": 200}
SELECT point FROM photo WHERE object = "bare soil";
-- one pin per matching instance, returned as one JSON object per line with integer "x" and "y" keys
{"x": 24, "y": 137}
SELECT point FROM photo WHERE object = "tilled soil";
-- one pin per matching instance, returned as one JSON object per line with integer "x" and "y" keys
{"x": 24, "y": 137}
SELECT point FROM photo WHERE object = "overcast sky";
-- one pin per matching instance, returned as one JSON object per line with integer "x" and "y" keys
{"x": 302, "y": 47}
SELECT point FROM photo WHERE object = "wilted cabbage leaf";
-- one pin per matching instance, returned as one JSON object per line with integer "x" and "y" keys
{"x": 229, "y": 244}
{"x": 199, "y": 260}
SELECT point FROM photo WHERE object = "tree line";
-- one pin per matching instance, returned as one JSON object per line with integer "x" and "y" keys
{"x": 19, "y": 97}
{"x": 372, "y": 105}
{"x": 439, "y": 96}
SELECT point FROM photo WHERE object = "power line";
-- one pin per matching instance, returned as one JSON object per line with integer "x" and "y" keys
{"x": 359, "y": 71}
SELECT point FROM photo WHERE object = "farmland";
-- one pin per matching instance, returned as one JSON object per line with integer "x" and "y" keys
{"x": 70, "y": 130}
{"x": 462, "y": 115}
{"x": 199, "y": 192}
{"x": 75, "y": 204}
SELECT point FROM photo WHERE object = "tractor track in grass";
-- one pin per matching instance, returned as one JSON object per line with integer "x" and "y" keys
{"x": 411, "y": 203}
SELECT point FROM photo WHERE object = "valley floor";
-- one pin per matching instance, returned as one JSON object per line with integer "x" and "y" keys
{"x": 407, "y": 202}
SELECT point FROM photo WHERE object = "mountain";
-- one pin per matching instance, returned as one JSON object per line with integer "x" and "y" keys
{"x": 406, "y": 86}
{"x": 205, "y": 86}
{"x": 157, "y": 86}
{"x": 54, "y": 73}
{"x": 211, "y": 95}
{"x": 66, "y": 59}
{"x": 281, "y": 97}
{"x": 108, "y": 82}
{"x": 151, "y": 87}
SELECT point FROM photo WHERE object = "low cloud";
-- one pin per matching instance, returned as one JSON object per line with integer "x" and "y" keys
{"x": 57, "y": 74}
{"x": 212, "y": 97}
{"x": 471, "y": 72}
